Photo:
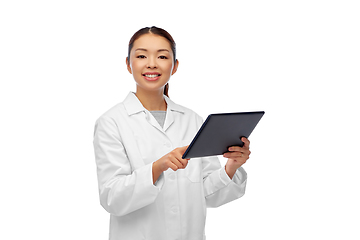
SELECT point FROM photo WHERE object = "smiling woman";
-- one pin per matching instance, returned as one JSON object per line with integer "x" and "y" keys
{"x": 151, "y": 63}
{"x": 156, "y": 32}
{"x": 150, "y": 191}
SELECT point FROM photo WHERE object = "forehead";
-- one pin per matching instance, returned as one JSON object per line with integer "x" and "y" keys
{"x": 151, "y": 42}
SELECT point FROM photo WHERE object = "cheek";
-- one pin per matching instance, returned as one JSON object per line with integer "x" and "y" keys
{"x": 136, "y": 66}
{"x": 168, "y": 67}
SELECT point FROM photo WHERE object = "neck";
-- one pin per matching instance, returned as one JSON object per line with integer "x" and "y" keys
{"x": 152, "y": 101}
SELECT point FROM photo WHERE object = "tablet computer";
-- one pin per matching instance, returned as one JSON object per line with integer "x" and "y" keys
{"x": 221, "y": 131}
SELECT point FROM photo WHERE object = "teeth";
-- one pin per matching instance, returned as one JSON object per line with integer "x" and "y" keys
{"x": 151, "y": 76}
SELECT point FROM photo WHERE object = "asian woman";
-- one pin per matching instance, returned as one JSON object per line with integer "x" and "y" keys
{"x": 145, "y": 185}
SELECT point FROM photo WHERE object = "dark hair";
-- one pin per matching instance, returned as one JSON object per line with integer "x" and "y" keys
{"x": 157, "y": 31}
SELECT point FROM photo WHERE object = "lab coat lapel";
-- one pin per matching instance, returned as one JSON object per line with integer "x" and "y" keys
{"x": 151, "y": 119}
{"x": 133, "y": 106}
{"x": 172, "y": 109}
{"x": 169, "y": 119}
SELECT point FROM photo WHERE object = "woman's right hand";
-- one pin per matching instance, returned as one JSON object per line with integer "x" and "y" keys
{"x": 171, "y": 160}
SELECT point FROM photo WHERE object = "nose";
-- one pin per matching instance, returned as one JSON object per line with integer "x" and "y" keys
{"x": 151, "y": 63}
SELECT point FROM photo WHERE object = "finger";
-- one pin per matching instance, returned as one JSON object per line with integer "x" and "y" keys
{"x": 173, "y": 166}
{"x": 234, "y": 155}
{"x": 243, "y": 153}
{"x": 184, "y": 162}
{"x": 177, "y": 163}
{"x": 183, "y": 149}
{"x": 236, "y": 149}
{"x": 181, "y": 160}
{"x": 246, "y": 142}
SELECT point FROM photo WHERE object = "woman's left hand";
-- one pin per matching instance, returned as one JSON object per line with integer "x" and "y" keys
{"x": 237, "y": 156}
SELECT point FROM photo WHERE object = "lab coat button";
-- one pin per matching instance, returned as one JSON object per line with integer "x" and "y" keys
{"x": 174, "y": 209}
{"x": 167, "y": 144}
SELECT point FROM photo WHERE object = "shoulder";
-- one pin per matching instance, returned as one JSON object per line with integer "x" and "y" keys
{"x": 191, "y": 113}
{"x": 113, "y": 113}
{"x": 121, "y": 109}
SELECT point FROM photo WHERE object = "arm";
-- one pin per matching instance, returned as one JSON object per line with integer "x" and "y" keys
{"x": 228, "y": 183}
{"x": 122, "y": 190}
{"x": 219, "y": 189}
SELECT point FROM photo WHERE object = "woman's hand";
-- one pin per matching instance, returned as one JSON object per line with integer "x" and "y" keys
{"x": 237, "y": 156}
{"x": 171, "y": 160}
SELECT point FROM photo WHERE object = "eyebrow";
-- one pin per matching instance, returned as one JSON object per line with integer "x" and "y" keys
{"x": 143, "y": 49}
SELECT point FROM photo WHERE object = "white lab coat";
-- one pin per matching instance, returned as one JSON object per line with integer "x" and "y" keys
{"x": 127, "y": 140}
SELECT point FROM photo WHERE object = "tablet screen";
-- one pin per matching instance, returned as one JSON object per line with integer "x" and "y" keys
{"x": 220, "y": 131}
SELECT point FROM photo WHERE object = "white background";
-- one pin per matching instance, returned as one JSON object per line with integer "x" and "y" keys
{"x": 62, "y": 64}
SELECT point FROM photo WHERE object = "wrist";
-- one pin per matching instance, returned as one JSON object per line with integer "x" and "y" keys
{"x": 156, "y": 167}
{"x": 156, "y": 171}
{"x": 230, "y": 171}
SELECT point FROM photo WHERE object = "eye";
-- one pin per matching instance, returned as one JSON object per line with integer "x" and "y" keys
{"x": 141, "y": 56}
{"x": 163, "y": 57}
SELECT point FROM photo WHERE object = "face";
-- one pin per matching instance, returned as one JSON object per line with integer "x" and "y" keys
{"x": 151, "y": 62}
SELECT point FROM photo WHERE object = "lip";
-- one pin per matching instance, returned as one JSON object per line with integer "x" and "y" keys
{"x": 151, "y": 78}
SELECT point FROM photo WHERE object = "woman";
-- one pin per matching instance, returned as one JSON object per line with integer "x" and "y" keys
{"x": 145, "y": 185}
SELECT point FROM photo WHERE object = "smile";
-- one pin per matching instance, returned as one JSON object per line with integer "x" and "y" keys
{"x": 151, "y": 76}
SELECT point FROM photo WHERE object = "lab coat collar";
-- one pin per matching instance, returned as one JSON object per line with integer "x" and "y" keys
{"x": 133, "y": 105}
{"x": 173, "y": 106}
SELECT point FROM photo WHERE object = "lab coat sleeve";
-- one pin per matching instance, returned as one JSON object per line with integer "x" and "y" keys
{"x": 121, "y": 189}
{"x": 219, "y": 189}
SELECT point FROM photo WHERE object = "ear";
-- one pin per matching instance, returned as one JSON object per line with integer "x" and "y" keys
{"x": 128, "y": 65}
{"x": 175, "y": 67}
